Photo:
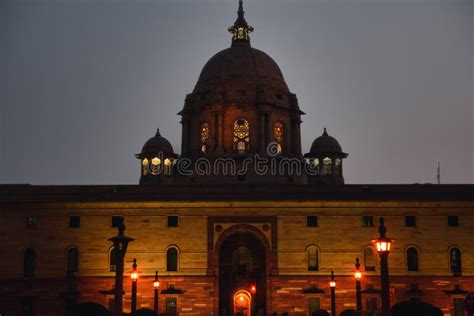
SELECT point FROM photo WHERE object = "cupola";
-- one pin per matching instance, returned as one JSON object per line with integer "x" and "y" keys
{"x": 325, "y": 157}
{"x": 156, "y": 160}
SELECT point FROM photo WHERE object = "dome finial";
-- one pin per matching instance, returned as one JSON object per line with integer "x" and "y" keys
{"x": 158, "y": 132}
{"x": 325, "y": 133}
{"x": 240, "y": 30}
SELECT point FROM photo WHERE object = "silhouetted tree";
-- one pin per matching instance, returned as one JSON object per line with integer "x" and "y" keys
{"x": 413, "y": 308}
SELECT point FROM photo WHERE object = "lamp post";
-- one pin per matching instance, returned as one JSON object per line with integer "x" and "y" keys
{"x": 384, "y": 245}
{"x": 120, "y": 248}
{"x": 156, "y": 286}
{"x": 332, "y": 284}
{"x": 358, "y": 277}
{"x": 134, "y": 277}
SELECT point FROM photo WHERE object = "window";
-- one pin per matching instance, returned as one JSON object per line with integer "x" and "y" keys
{"x": 371, "y": 304}
{"x": 74, "y": 221}
{"x": 173, "y": 221}
{"x": 111, "y": 304}
{"x": 316, "y": 165}
{"x": 458, "y": 307}
{"x": 117, "y": 220}
{"x": 172, "y": 259}
{"x": 369, "y": 259}
{"x": 453, "y": 221}
{"x": 145, "y": 166}
{"x": 327, "y": 165}
{"x": 113, "y": 260}
{"x": 29, "y": 263}
{"x": 337, "y": 169}
{"x": 31, "y": 222}
{"x": 204, "y": 136}
{"x": 314, "y": 306}
{"x": 312, "y": 221}
{"x": 412, "y": 259}
{"x": 312, "y": 257}
{"x": 168, "y": 166}
{"x": 155, "y": 166}
{"x": 72, "y": 260}
{"x": 241, "y": 136}
{"x": 278, "y": 135}
{"x": 171, "y": 306}
{"x": 242, "y": 261}
{"x": 410, "y": 221}
{"x": 368, "y": 221}
{"x": 455, "y": 261}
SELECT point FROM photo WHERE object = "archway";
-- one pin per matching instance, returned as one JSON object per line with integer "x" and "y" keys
{"x": 242, "y": 303}
{"x": 242, "y": 274}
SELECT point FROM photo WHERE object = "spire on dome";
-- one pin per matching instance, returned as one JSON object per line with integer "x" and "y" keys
{"x": 240, "y": 30}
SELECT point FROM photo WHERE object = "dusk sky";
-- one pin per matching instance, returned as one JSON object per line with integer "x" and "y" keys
{"x": 84, "y": 83}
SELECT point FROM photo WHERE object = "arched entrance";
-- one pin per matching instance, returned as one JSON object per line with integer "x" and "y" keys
{"x": 242, "y": 303}
{"x": 242, "y": 275}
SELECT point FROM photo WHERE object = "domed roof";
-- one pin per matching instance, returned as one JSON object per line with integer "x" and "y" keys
{"x": 241, "y": 67}
{"x": 157, "y": 144}
{"x": 326, "y": 144}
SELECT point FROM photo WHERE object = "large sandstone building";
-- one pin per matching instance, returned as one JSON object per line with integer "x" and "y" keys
{"x": 228, "y": 242}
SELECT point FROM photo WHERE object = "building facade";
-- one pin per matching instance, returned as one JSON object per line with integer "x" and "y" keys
{"x": 226, "y": 242}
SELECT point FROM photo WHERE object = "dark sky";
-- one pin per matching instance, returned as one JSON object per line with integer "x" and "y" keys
{"x": 84, "y": 83}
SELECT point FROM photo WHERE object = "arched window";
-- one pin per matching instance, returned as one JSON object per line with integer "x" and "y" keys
{"x": 172, "y": 259}
{"x": 29, "y": 263}
{"x": 155, "y": 166}
{"x": 278, "y": 136}
{"x": 412, "y": 259}
{"x": 241, "y": 136}
{"x": 204, "y": 136}
{"x": 168, "y": 166}
{"x": 316, "y": 165}
{"x": 113, "y": 260}
{"x": 327, "y": 166}
{"x": 312, "y": 257}
{"x": 72, "y": 260}
{"x": 369, "y": 259}
{"x": 337, "y": 167}
{"x": 455, "y": 260}
{"x": 145, "y": 166}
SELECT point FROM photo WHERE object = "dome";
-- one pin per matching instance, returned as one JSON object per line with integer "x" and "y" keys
{"x": 240, "y": 67}
{"x": 325, "y": 144}
{"x": 157, "y": 144}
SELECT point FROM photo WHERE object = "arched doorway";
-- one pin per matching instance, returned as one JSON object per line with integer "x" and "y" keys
{"x": 242, "y": 303}
{"x": 242, "y": 275}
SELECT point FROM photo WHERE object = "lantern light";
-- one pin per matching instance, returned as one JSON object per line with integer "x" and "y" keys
{"x": 253, "y": 289}
{"x": 383, "y": 244}
{"x": 358, "y": 275}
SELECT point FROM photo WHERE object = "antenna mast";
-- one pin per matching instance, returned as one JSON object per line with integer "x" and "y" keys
{"x": 438, "y": 175}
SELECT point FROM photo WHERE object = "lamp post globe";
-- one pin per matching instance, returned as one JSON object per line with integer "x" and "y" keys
{"x": 332, "y": 285}
{"x": 120, "y": 244}
{"x": 156, "y": 286}
{"x": 134, "y": 277}
{"x": 358, "y": 277}
{"x": 384, "y": 246}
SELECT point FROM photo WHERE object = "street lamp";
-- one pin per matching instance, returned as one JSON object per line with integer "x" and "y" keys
{"x": 358, "y": 277}
{"x": 134, "y": 277}
{"x": 120, "y": 248}
{"x": 384, "y": 245}
{"x": 332, "y": 284}
{"x": 156, "y": 286}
